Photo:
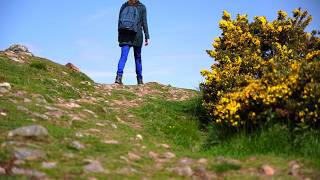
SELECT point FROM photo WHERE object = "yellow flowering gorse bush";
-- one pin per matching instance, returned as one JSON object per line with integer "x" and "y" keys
{"x": 264, "y": 71}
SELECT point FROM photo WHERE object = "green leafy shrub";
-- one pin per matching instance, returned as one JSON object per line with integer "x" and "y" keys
{"x": 39, "y": 65}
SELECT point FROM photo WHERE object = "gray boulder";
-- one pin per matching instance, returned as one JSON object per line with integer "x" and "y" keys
{"x": 29, "y": 131}
{"x": 5, "y": 87}
{"x": 28, "y": 154}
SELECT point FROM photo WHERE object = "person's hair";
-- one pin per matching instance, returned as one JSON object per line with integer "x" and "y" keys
{"x": 134, "y": 3}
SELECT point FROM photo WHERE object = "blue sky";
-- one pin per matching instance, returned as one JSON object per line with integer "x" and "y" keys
{"x": 84, "y": 33}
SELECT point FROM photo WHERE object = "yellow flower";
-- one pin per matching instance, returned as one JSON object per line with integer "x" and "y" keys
{"x": 226, "y": 16}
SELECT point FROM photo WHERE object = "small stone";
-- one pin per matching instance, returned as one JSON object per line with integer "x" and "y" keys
{"x": 5, "y": 87}
{"x": 51, "y": 108}
{"x": 79, "y": 134}
{"x": 165, "y": 146}
{"x": 267, "y": 170}
{"x": 111, "y": 142}
{"x": 94, "y": 167}
{"x": 139, "y": 137}
{"x": 28, "y": 172}
{"x": 49, "y": 165}
{"x": 41, "y": 116}
{"x": 201, "y": 172}
{"x": 182, "y": 171}
{"x": 202, "y": 161}
{"x": 153, "y": 155}
{"x": 24, "y": 109}
{"x": 186, "y": 161}
{"x": 69, "y": 155}
{"x": 71, "y": 105}
{"x": 28, "y": 154}
{"x": 56, "y": 114}
{"x": 169, "y": 155}
{"x": 294, "y": 168}
{"x": 29, "y": 131}
{"x": 133, "y": 156}
{"x": 114, "y": 126}
{"x": 3, "y": 113}
{"x": 26, "y": 100}
{"x": 77, "y": 145}
{"x": 100, "y": 124}
{"x": 92, "y": 178}
{"x": 2, "y": 171}
{"x": 126, "y": 170}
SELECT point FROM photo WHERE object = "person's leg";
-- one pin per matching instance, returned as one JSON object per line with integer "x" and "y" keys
{"x": 122, "y": 62}
{"x": 123, "y": 59}
{"x": 137, "y": 57}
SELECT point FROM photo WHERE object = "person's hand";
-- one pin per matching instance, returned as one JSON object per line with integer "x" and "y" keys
{"x": 146, "y": 42}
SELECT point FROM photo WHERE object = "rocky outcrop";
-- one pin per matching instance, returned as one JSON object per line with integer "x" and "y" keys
{"x": 18, "y": 53}
{"x": 72, "y": 67}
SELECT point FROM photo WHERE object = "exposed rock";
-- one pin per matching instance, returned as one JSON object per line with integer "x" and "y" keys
{"x": 28, "y": 154}
{"x": 165, "y": 146}
{"x": 111, "y": 142}
{"x": 77, "y": 145}
{"x": 201, "y": 173}
{"x": 182, "y": 171}
{"x": 27, "y": 100}
{"x": 72, "y": 67}
{"x": 3, "y": 112}
{"x": 19, "y": 162}
{"x": 29, "y": 131}
{"x": 41, "y": 116}
{"x": 28, "y": 172}
{"x": 94, "y": 167}
{"x": 294, "y": 168}
{"x": 19, "y": 49}
{"x": 202, "y": 161}
{"x": 48, "y": 165}
{"x": 56, "y": 114}
{"x": 186, "y": 161}
{"x": 51, "y": 108}
{"x": 153, "y": 155}
{"x": 168, "y": 155}
{"x": 79, "y": 134}
{"x": 5, "y": 87}
{"x": 2, "y": 171}
{"x": 139, "y": 137}
{"x": 70, "y": 105}
{"x": 267, "y": 170}
{"x": 100, "y": 124}
{"x": 17, "y": 53}
{"x": 69, "y": 155}
{"x": 114, "y": 126}
{"x": 126, "y": 171}
{"x": 133, "y": 156}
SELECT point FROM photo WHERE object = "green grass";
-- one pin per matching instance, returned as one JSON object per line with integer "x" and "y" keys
{"x": 224, "y": 167}
{"x": 170, "y": 121}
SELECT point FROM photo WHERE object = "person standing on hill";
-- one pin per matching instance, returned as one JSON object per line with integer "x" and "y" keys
{"x": 132, "y": 20}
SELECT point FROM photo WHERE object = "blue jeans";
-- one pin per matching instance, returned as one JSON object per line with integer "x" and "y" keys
{"x": 124, "y": 56}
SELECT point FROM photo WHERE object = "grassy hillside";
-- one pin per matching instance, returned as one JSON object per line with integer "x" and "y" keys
{"x": 98, "y": 131}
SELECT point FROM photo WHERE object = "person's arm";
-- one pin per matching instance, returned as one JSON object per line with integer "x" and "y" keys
{"x": 145, "y": 27}
{"x": 121, "y": 9}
